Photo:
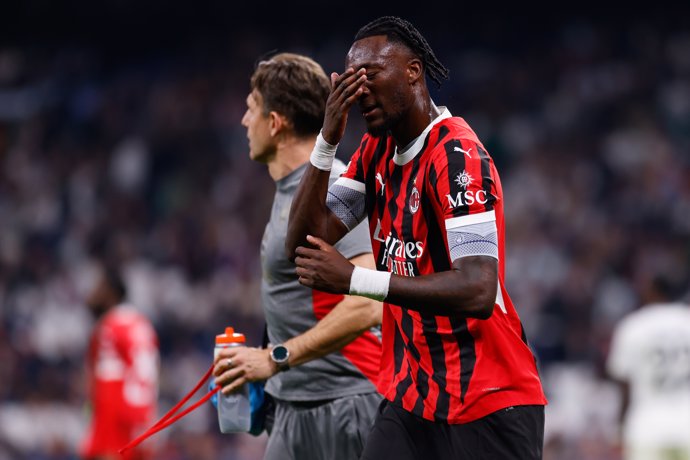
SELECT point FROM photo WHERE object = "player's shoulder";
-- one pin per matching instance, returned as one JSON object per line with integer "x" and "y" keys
{"x": 453, "y": 135}
{"x": 655, "y": 316}
{"x": 124, "y": 316}
{"x": 371, "y": 143}
{"x": 455, "y": 128}
{"x": 665, "y": 313}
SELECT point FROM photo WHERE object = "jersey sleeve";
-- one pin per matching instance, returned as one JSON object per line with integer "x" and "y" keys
{"x": 462, "y": 181}
{"x": 346, "y": 196}
{"x": 356, "y": 242}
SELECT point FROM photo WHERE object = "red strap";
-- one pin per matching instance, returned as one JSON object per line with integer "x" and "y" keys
{"x": 168, "y": 418}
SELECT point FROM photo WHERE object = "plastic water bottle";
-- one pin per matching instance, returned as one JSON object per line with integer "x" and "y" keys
{"x": 234, "y": 412}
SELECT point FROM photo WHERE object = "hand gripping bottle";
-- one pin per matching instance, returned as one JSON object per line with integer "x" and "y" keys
{"x": 233, "y": 410}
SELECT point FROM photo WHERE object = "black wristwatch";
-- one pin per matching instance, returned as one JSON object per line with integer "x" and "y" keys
{"x": 280, "y": 355}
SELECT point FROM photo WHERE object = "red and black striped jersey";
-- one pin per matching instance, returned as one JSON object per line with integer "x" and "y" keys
{"x": 441, "y": 368}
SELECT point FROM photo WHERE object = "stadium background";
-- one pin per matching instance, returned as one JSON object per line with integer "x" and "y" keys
{"x": 120, "y": 138}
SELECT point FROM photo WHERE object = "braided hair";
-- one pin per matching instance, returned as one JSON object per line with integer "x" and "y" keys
{"x": 401, "y": 31}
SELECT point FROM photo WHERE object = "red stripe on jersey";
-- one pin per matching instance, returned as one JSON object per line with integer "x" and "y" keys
{"x": 402, "y": 379}
{"x": 365, "y": 351}
{"x": 387, "y": 366}
{"x": 409, "y": 400}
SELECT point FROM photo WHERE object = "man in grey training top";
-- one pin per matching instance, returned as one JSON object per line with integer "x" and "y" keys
{"x": 324, "y": 358}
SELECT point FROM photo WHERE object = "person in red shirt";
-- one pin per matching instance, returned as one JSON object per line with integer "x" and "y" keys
{"x": 458, "y": 376}
{"x": 122, "y": 373}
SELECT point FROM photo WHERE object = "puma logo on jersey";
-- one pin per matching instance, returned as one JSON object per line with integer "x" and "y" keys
{"x": 466, "y": 152}
{"x": 379, "y": 178}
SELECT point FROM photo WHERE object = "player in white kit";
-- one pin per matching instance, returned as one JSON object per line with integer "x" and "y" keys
{"x": 650, "y": 356}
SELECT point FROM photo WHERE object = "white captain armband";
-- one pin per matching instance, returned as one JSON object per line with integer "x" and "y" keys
{"x": 323, "y": 154}
{"x": 345, "y": 199}
{"x": 472, "y": 235}
{"x": 370, "y": 283}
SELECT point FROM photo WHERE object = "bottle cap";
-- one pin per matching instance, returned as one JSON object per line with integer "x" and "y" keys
{"x": 230, "y": 336}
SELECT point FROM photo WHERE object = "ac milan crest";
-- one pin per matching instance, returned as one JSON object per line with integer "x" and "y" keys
{"x": 414, "y": 200}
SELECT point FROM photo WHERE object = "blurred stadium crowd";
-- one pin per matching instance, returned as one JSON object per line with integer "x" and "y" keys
{"x": 143, "y": 162}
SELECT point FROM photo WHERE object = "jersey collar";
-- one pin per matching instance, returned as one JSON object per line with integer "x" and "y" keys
{"x": 412, "y": 149}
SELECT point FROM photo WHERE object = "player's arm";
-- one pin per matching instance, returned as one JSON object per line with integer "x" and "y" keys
{"x": 309, "y": 214}
{"x": 470, "y": 287}
{"x": 348, "y": 320}
{"x": 467, "y": 290}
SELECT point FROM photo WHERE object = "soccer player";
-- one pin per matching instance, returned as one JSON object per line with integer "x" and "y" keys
{"x": 459, "y": 378}
{"x": 324, "y": 356}
{"x": 122, "y": 368}
{"x": 650, "y": 357}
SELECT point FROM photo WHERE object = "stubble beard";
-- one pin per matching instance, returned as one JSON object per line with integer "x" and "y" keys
{"x": 390, "y": 118}
{"x": 388, "y": 122}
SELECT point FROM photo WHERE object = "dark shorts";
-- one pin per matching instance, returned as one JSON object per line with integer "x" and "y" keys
{"x": 516, "y": 432}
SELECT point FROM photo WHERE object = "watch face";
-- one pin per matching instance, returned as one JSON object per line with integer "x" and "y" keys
{"x": 279, "y": 353}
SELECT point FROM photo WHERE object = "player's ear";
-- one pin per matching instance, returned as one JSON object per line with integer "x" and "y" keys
{"x": 276, "y": 123}
{"x": 414, "y": 70}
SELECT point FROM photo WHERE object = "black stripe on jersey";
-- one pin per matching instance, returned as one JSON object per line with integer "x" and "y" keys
{"x": 398, "y": 349}
{"x": 399, "y": 356}
{"x": 359, "y": 165}
{"x": 422, "y": 394}
{"x": 395, "y": 182}
{"x": 487, "y": 180}
{"x": 360, "y": 162}
{"x": 407, "y": 329}
{"x": 456, "y": 164}
{"x": 370, "y": 178}
{"x": 438, "y": 361}
{"x": 402, "y": 388}
{"x": 443, "y": 131}
{"x": 376, "y": 201}
{"x": 407, "y": 216}
{"x": 523, "y": 336}
{"x": 468, "y": 356}
{"x": 436, "y": 236}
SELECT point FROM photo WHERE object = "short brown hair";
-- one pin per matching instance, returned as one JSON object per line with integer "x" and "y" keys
{"x": 294, "y": 86}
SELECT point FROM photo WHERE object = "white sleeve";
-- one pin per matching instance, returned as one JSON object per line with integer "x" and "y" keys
{"x": 472, "y": 235}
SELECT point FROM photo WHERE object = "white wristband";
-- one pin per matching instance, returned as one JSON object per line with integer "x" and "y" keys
{"x": 370, "y": 283}
{"x": 323, "y": 154}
